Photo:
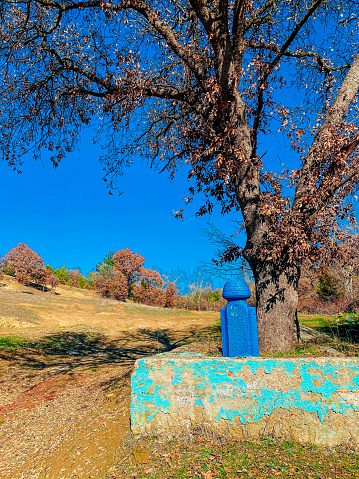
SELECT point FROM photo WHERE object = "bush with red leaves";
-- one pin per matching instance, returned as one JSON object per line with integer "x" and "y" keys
{"x": 131, "y": 280}
{"x": 115, "y": 288}
{"x": 149, "y": 295}
{"x": 53, "y": 281}
{"x": 170, "y": 296}
{"x": 27, "y": 265}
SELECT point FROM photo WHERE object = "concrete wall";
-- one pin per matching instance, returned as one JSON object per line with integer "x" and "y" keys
{"x": 313, "y": 400}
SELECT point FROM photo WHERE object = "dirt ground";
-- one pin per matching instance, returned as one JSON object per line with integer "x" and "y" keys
{"x": 65, "y": 396}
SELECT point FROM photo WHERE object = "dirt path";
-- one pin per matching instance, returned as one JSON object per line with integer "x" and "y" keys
{"x": 65, "y": 415}
{"x": 64, "y": 425}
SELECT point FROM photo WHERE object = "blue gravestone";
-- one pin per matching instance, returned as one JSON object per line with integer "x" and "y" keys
{"x": 238, "y": 322}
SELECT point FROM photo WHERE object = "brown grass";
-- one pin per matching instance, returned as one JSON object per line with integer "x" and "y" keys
{"x": 37, "y": 312}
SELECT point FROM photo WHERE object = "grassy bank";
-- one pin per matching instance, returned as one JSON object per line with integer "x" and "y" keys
{"x": 201, "y": 457}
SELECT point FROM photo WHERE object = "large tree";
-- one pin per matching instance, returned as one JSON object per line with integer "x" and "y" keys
{"x": 198, "y": 84}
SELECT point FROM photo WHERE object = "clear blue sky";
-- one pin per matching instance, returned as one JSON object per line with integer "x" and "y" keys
{"x": 67, "y": 216}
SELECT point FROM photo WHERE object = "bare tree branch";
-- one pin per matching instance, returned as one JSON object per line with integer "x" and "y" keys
{"x": 322, "y": 64}
{"x": 269, "y": 69}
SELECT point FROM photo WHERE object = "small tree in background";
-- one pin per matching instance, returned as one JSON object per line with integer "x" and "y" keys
{"x": 97, "y": 280}
{"x": 78, "y": 280}
{"x": 53, "y": 281}
{"x": 27, "y": 265}
{"x": 107, "y": 261}
{"x": 150, "y": 277}
{"x": 170, "y": 293}
{"x": 6, "y": 270}
{"x": 327, "y": 287}
{"x": 74, "y": 275}
{"x": 121, "y": 276}
{"x": 130, "y": 265}
{"x": 149, "y": 289}
{"x": 61, "y": 273}
{"x": 105, "y": 270}
{"x": 83, "y": 282}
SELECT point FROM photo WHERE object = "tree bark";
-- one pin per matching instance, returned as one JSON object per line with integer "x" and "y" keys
{"x": 277, "y": 300}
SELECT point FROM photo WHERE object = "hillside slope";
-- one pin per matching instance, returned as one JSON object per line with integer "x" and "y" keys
{"x": 28, "y": 311}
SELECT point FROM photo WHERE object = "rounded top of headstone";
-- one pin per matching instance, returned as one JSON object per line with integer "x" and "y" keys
{"x": 235, "y": 289}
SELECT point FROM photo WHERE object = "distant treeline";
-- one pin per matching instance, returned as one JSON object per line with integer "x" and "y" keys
{"x": 323, "y": 289}
{"x": 119, "y": 276}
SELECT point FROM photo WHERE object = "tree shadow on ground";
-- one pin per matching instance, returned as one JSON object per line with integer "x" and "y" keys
{"x": 70, "y": 350}
{"x": 39, "y": 287}
{"x": 347, "y": 332}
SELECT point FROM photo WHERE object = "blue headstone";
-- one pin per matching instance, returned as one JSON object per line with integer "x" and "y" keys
{"x": 238, "y": 322}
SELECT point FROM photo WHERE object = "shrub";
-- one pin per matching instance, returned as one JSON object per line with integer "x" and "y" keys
{"x": 107, "y": 261}
{"x": 151, "y": 278}
{"x": 74, "y": 275}
{"x": 170, "y": 296}
{"x": 98, "y": 281}
{"x": 199, "y": 303}
{"x": 62, "y": 274}
{"x": 105, "y": 270}
{"x": 6, "y": 270}
{"x": 83, "y": 282}
{"x": 149, "y": 290}
{"x": 115, "y": 288}
{"x": 149, "y": 295}
{"x": 142, "y": 285}
{"x": 214, "y": 296}
{"x": 53, "y": 281}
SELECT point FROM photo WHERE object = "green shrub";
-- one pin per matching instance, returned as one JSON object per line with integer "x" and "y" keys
{"x": 83, "y": 282}
{"x": 6, "y": 270}
{"x": 214, "y": 296}
{"x": 327, "y": 287}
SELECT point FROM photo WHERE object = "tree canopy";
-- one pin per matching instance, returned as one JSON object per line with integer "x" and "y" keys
{"x": 198, "y": 84}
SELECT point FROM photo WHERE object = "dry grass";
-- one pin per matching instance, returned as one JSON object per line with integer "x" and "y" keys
{"x": 205, "y": 456}
{"x": 69, "y": 307}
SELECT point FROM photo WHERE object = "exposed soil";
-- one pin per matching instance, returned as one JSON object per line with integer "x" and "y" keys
{"x": 65, "y": 394}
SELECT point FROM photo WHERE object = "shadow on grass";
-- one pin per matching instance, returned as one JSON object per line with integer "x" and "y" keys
{"x": 347, "y": 332}
{"x": 69, "y": 350}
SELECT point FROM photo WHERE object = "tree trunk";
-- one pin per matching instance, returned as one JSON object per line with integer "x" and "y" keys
{"x": 277, "y": 299}
{"x": 276, "y": 280}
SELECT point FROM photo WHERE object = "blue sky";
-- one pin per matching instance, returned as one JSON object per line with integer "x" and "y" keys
{"x": 67, "y": 216}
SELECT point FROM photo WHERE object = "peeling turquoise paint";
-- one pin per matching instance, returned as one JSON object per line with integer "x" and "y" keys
{"x": 318, "y": 388}
{"x": 199, "y": 402}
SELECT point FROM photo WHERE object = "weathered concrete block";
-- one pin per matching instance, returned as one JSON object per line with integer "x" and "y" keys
{"x": 313, "y": 400}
